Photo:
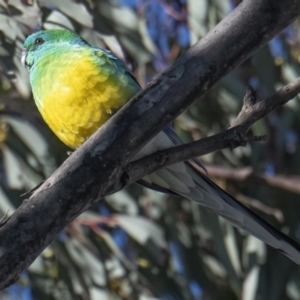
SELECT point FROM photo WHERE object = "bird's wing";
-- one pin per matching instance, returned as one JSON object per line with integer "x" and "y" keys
{"x": 118, "y": 65}
{"x": 184, "y": 180}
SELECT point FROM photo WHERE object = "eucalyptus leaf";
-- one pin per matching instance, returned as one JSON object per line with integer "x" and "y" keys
{"x": 250, "y": 284}
{"x": 74, "y": 10}
{"x": 142, "y": 230}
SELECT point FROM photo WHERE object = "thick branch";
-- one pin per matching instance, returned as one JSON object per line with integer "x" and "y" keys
{"x": 92, "y": 171}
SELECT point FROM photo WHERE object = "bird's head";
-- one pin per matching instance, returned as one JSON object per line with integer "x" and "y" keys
{"x": 40, "y": 42}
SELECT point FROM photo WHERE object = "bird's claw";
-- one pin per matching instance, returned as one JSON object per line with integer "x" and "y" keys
{"x": 241, "y": 139}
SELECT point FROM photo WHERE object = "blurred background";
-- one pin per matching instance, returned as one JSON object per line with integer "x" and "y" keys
{"x": 141, "y": 244}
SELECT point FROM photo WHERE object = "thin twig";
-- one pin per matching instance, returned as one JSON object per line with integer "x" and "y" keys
{"x": 288, "y": 183}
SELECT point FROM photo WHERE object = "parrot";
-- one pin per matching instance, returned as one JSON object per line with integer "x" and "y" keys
{"x": 77, "y": 87}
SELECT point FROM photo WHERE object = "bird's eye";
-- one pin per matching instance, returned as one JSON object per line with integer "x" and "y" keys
{"x": 39, "y": 41}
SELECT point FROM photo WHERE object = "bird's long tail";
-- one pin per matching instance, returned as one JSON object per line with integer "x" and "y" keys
{"x": 183, "y": 179}
{"x": 242, "y": 217}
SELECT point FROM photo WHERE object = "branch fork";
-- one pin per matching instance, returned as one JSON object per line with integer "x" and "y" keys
{"x": 252, "y": 110}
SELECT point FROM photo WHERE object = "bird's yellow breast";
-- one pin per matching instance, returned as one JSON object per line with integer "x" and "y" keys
{"x": 78, "y": 91}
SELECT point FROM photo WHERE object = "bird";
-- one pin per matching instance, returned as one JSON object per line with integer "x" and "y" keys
{"x": 77, "y": 87}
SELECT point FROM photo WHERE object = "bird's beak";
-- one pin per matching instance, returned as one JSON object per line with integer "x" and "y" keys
{"x": 23, "y": 57}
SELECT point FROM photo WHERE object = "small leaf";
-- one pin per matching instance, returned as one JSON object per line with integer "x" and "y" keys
{"x": 142, "y": 229}
{"x": 58, "y": 20}
{"x": 76, "y": 11}
{"x": 99, "y": 294}
{"x": 123, "y": 202}
{"x": 250, "y": 284}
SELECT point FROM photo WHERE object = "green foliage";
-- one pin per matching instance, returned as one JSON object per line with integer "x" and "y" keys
{"x": 140, "y": 244}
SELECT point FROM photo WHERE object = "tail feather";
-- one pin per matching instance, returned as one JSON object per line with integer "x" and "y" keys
{"x": 183, "y": 179}
{"x": 242, "y": 217}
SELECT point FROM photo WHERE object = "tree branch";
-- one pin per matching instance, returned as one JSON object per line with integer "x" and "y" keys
{"x": 95, "y": 169}
{"x": 288, "y": 183}
{"x": 252, "y": 111}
